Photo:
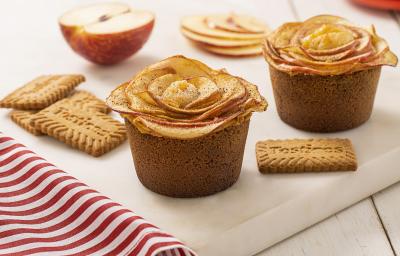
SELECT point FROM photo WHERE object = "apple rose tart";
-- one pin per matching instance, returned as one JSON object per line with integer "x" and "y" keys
{"x": 324, "y": 72}
{"x": 187, "y": 125}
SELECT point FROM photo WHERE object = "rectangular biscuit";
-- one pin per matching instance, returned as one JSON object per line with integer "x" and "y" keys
{"x": 93, "y": 132}
{"x": 305, "y": 155}
{"x": 88, "y": 101}
{"x": 23, "y": 119}
{"x": 41, "y": 92}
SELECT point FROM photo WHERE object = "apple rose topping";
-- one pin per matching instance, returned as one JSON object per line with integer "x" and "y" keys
{"x": 183, "y": 98}
{"x": 326, "y": 45}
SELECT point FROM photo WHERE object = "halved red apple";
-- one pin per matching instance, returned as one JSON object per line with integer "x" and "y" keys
{"x": 106, "y": 33}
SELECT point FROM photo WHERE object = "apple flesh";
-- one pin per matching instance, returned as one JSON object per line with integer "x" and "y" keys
{"x": 106, "y": 33}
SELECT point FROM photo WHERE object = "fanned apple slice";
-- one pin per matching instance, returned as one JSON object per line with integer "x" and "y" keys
{"x": 223, "y": 22}
{"x": 225, "y": 42}
{"x": 197, "y": 25}
{"x": 158, "y": 86}
{"x": 117, "y": 100}
{"x": 249, "y": 23}
{"x": 208, "y": 90}
{"x": 180, "y": 130}
{"x": 251, "y": 50}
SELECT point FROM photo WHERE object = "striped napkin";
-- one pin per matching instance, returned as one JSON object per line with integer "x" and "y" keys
{"x": 44, "y": 211}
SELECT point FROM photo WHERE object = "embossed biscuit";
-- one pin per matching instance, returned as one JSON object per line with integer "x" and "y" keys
{"x": 82, "y": 99}
{"x": 23, "y": 118}
{"x": 305, "y": 155}
{"x": 93, "y": 132}
{"x": 88, "y": 101}
{"x": 41, "y": 92}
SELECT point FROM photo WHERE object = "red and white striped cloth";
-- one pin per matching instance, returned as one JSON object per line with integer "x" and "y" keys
{"x": 44, "y": 211}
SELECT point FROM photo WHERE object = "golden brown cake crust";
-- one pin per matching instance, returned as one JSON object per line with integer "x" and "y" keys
{"x": 325, "y": 103}
{"x": 188, "y": 168}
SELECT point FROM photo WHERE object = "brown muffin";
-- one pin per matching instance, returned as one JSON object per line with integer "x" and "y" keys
{"x": 325, "y": 103}
{"x": 188, "y": 168}
{"x": 325, "y": 71}
{"x": 187, "y": 125}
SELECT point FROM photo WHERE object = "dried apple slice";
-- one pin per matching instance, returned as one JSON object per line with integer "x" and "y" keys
{"x": 231, "y": 89}
{"x": 327, "y": 19}
{"x": 236, "y": 23}
{"x": 225, "y": 42}
{"x": 249, "y": 24}
{"x": 282, "y": 36}
{"x": 197, "y": 25}
{"x": 182, "y": 66}
{"x": 208, "y": 90}
{"x": 223, "y": 22}
{"x": 251, "y": 50}
{"x": 179, "y": 130}
{"x": 140, "y": 85}
{"x": 327, "y": 37}
{"x": 160, "y": 84}
{"x": 117, "y": 100}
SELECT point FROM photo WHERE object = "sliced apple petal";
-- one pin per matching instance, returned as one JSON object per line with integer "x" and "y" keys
{"x": 184, "y": 67}
{"x": 336, "y": 50}
{"x": 208, "y": 90}
{"x": 282, "y": 36}
{"x": 117, "y": 100}
{"x": 140, "y": 82}
{"x": 180, "y": 93}
{"x": 327, "y": 19}
{"x": 178, "y": 130}
{"x": 158, "y": 86}
{"x": 146, "y": 96}
{"x": 332, "y": 57}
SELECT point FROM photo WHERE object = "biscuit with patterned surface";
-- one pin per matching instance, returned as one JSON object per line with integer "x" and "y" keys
{"x": 305, "y": 155}
{"x": 93, "y": 132}
{"x": 23, "y": 119}
{"x": 88, "y": 101}
{"x": 41, "y": 92}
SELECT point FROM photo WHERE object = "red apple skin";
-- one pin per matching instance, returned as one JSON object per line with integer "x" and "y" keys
{"x": 107, "y": 49}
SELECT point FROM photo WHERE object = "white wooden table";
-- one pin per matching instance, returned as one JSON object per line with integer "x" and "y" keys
{"x": 372, "y": 226}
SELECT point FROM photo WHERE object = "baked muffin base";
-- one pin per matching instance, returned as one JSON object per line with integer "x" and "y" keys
{"x": 325, "y": 103}
{"x": 188, "y": 168}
